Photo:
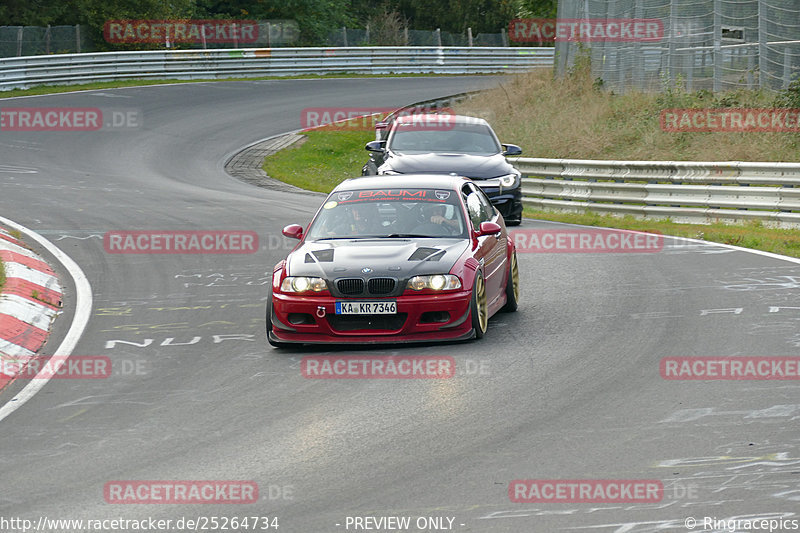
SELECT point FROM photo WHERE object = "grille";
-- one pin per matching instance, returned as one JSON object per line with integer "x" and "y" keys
{"x": 381, "y": 285}
{"x": 350, "y": 286}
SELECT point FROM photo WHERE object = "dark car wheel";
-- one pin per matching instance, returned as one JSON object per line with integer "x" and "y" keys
{"x": 276, "y": 344}
{"x": 479, "y": 310}
{"x": 513, "y": 222}
{"x": 512, "y": 285}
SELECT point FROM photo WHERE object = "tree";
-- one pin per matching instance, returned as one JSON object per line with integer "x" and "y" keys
{"x": 455, "y": 16}
{"x": 538, "y": 9}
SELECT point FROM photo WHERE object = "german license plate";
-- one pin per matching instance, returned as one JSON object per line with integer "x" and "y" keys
{"x": 366, "y": 308}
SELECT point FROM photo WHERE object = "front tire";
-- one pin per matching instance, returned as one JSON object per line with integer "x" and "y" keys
{"x": 479, "y": 310}
{"x": 512, "y": 285}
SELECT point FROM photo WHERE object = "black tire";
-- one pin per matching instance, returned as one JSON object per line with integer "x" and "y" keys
{"x": 514, "y": 222}
{"x": 512, "y": 285}
{"x": 479, "y": 311}
{"x": 276, "y": 344}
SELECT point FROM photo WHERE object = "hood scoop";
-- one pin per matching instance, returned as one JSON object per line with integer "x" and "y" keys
{"x": 426, "y": 254}
{"x": 320, "y": 256}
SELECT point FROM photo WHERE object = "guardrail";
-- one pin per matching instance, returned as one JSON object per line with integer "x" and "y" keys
{"x": 684, "y": 191}
{"x": 23, "y": 72}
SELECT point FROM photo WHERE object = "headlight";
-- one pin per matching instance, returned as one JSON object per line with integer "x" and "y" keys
{"x": 303, "y": 284}
{"x": 436, "y": 282}
{"x": 509, "y": 180}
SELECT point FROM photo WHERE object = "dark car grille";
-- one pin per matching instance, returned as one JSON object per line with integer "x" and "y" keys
{"x": 350, "y": 286}
{"x": 381, "y": 285}
{"x": 367, "y": 322}
{"x": 374, "y": 286}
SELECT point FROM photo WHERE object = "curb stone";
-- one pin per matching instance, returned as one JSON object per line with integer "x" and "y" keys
{"x": 29, "y": 302}
{"x": 246, "y": 165}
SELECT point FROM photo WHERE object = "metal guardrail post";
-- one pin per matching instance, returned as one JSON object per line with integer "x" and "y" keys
{"x": 762, "y": 45}
{"x": 787, "y": 67}
{"x": 717, "y": 46}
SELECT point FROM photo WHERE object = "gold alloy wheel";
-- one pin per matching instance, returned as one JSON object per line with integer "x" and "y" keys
{"x": 515, "y": 276}
{"x": 480, "y": 299}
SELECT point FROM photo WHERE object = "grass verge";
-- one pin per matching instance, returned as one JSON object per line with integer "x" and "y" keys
{"x": 323, "y": 161}
{"x": 574, "y": 117}
{"x": 328, "y": 157}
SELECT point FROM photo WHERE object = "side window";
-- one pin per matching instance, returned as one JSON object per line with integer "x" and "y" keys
{"x": 475, "y": 209}
{"x": 488, "y": 208}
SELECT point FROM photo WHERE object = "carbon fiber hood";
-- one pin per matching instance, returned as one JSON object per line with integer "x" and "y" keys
{"x": 397, "y": 258}
{"x": 471, "y": 166}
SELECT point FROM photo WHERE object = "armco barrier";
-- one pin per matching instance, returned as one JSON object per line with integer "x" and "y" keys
{"x": 696, "y": 192}
{"x": 64, "y": 69}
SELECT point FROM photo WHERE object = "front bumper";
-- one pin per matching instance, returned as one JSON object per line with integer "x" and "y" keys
{"x": 507, "y": 201}
{"x": 419, "y": 318}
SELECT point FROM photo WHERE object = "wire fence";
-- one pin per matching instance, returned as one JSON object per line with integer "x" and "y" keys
{"x": 37, "y": 40}
{"x": 16, "y": 41}
{"x": 706, "y": 44}
{"x": 408, "y": 37}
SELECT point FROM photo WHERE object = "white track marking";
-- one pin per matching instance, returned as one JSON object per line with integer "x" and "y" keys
{"x": 83, "y": 311}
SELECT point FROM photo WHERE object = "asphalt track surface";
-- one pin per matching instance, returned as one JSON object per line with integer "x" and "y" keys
{"x": 566, "y": 388}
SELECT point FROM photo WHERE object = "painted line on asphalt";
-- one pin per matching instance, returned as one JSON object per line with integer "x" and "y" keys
{"x": 83, "y": 311}
{"x": 686, "y": 239}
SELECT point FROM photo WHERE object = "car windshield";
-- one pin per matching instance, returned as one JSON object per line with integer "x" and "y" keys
{"x": 432, "y": 136}
{"x": 389, "y": 213}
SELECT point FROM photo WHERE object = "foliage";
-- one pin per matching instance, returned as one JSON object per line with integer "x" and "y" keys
{"x": 789, "y": 97}
{"x": 315, "y": 18}
{"x": 387, "y": 28}
{"x": 538, "y": 9}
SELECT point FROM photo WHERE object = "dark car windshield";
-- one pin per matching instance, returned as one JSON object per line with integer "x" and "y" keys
{"x": 459, "y": 138}
{"x": 389, "y": 213}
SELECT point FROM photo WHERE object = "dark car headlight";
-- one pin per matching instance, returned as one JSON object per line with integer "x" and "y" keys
{"x": 509, "y": 180}
{"x": 303, "y": 284}
{"x": 436, "y": 282}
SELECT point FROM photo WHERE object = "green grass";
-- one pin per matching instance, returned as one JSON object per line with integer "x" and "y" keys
{"x": 327, "y": 157}
{"x": 55, "y": 89}
{"x": 2, "y": 276}
{"x": 323, "y": 161}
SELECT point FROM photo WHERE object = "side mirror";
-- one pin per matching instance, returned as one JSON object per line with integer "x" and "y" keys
{"x": 489, "y": 228}
{"x": 375, "y": 146}
{"x": 511, "y": 150}
{"x": 293, "y": 231}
